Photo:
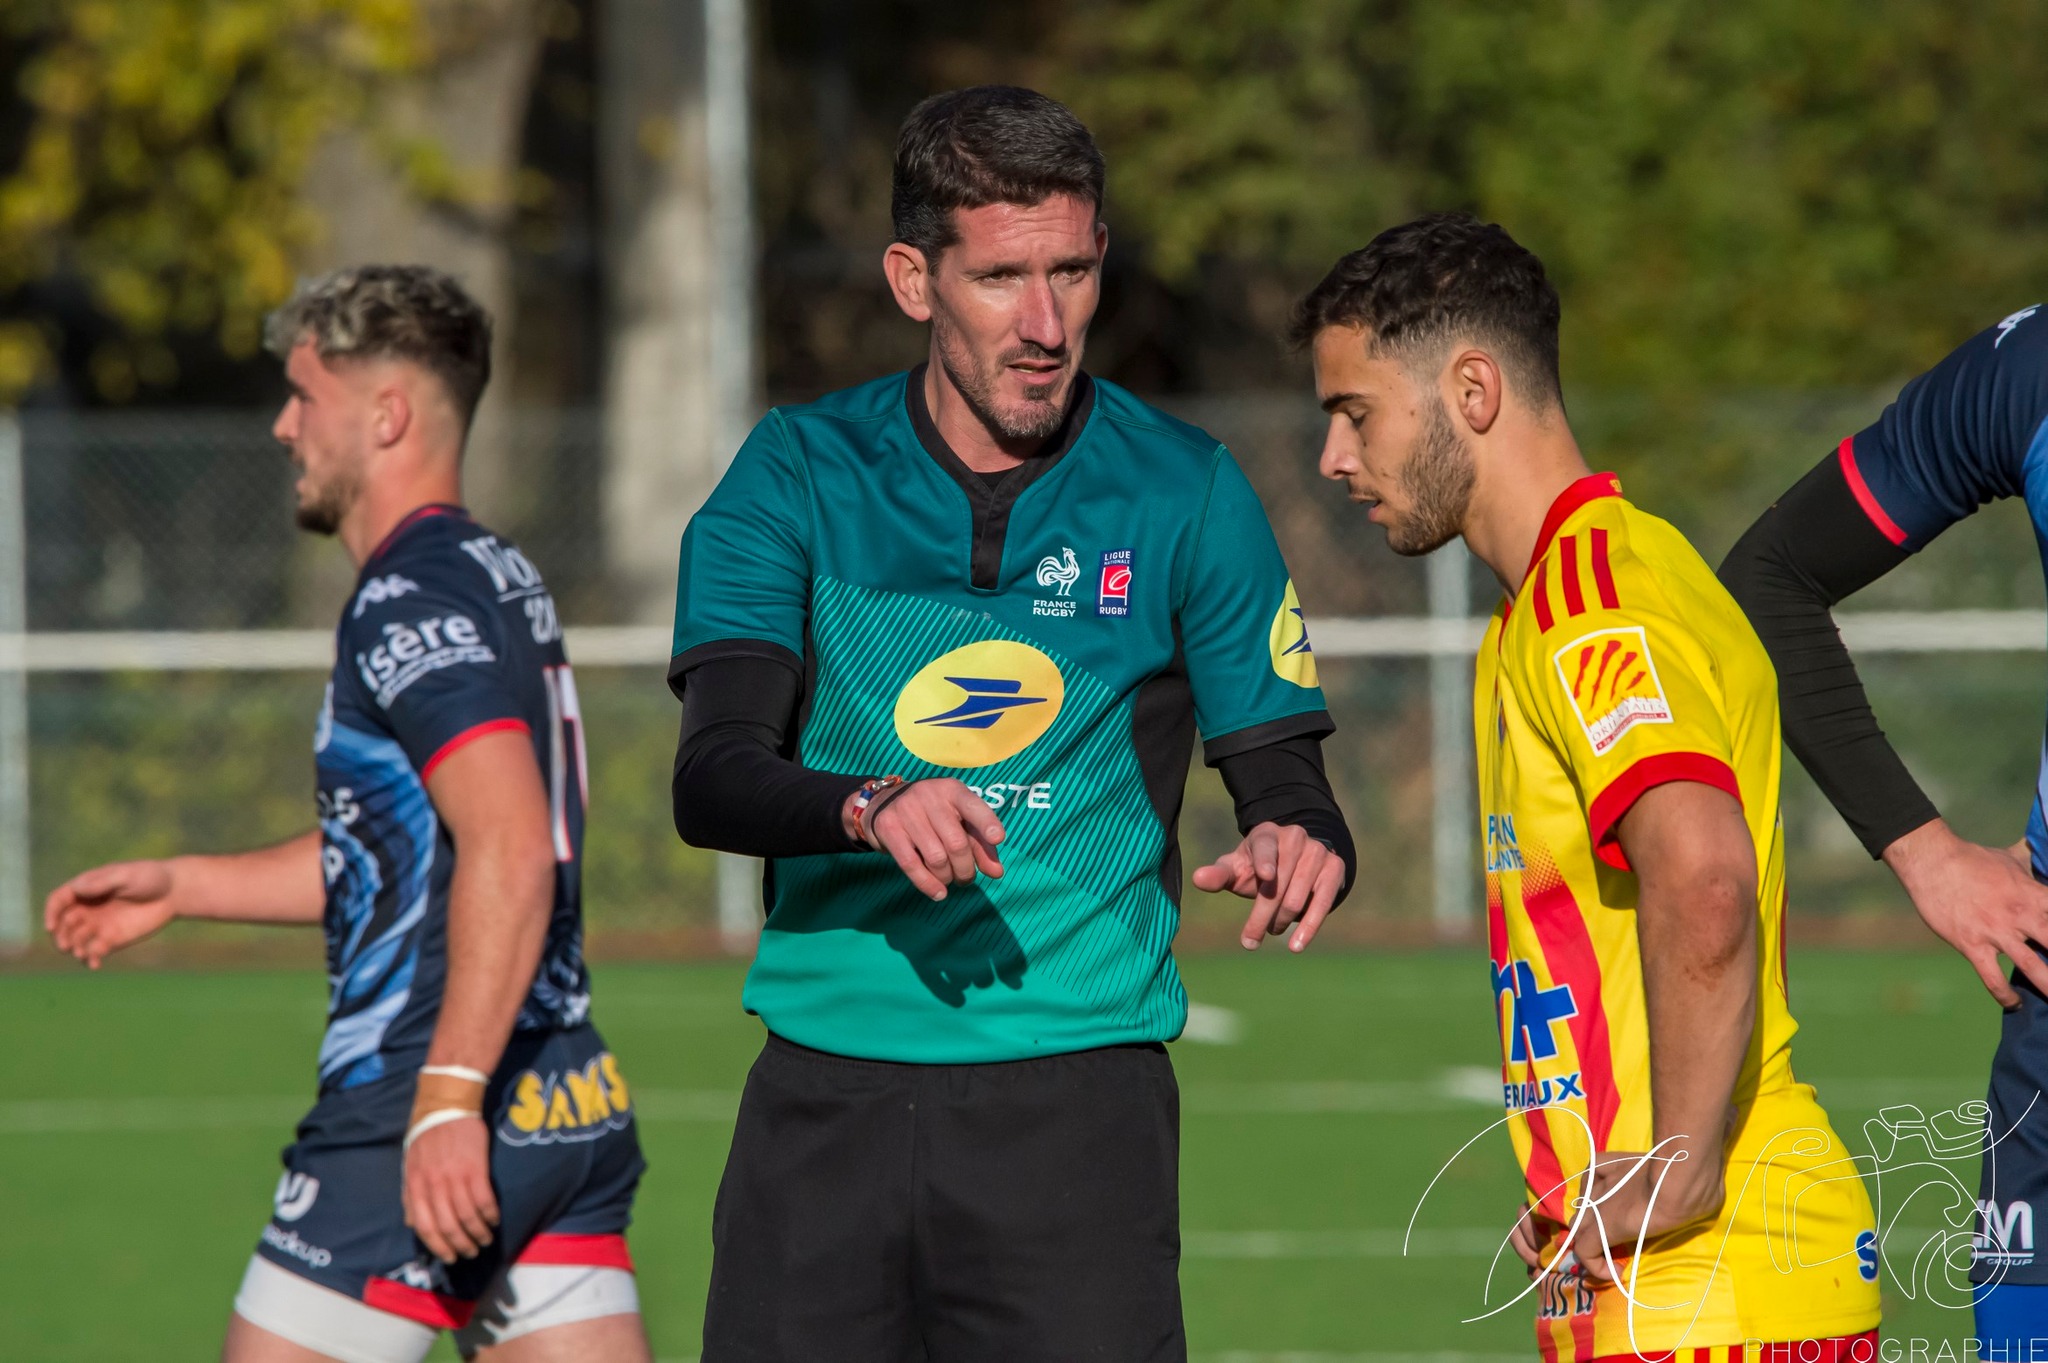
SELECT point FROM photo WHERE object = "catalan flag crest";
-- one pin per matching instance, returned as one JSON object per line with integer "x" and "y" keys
{"x": 1613, "y": 683}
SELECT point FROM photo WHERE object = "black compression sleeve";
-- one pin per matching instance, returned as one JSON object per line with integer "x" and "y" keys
{"x": 1284, "y": 783}
{"x": 736, "y": 787}
{"x": 1810, "y": 550}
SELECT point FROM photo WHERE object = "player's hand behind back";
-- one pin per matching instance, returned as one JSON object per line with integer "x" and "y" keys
{"x": 938, "y": 831}
{"x": 95, "y": 914}
{"x": 1980, "y": 900}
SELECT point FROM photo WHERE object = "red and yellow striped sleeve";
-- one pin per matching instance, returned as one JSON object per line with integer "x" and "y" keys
{"x": 1624, "y": 688}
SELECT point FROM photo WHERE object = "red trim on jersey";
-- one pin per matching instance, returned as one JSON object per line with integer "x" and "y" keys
{"x": 1590, "y": 488}
{"x": 1540, "y": 597}
{"x": 1546, "y": 1341}
{"x": 1569, "y": 956}
{"x": 578, "y": 1251}
{"x": 1568, "y": 559}
{"x": 1603, "y": 572}
{"x": 1582, "y": 1333}
{"x": 1865, "y": 498}
{"x": 409, "y": 520}
{"x": 1655, "y": 770}
{"x": 416, "y": 1303}
{"x": 1860, "y": 1348}
{"x": 466, "y": 737}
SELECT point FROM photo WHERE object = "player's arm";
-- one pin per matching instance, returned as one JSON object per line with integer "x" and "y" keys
{"x": 1696, "y": 916}
{"x": 738, "y": 788}
{"x": 490, "y": 795}
{"x": 1955, "y": 439}
{"x": 97, "y": 913}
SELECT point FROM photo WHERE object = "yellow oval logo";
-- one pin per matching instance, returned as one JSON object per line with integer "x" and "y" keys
{"x": 1293, "y": 660}
{"x": 979, "y": 705}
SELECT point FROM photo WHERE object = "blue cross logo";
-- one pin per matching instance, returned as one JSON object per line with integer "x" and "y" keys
{"x": 1537, "y": 1010}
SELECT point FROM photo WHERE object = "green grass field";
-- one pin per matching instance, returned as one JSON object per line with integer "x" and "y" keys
{"x": 141, "y": 1115}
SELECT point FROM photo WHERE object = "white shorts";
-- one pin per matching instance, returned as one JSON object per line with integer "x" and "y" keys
{"x": 524, "y": 1298}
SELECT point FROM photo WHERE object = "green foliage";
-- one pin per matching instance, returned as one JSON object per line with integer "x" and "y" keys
{"x": 1736, "y": 194}
{"x": 161, "y": 160}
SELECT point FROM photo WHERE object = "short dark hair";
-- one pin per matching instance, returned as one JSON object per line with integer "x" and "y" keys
{"x": 406, "y": 312}
{"x": 1427, "y": 282}
{"x": 986, "y": 145}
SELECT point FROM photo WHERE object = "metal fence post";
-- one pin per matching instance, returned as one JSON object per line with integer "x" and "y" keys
{"x": 735, "y": 367}
{"x": 14, "y": 868}
{"x": 1452, "y": 823}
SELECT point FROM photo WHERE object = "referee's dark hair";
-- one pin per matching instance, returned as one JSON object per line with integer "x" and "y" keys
{"x": 1418, "y": 287}
{"x": 985, "y": 145}
{"x": 406, "y": 312}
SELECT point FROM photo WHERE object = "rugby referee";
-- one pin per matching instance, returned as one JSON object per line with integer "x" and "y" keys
{"x": 943, "y": 643}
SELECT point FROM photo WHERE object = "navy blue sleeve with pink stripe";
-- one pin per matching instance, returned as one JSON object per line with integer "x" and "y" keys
{"x": 1969, "y": 431}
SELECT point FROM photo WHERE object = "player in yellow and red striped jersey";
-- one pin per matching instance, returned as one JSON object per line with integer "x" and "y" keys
{"x": 1685, "y": 1192}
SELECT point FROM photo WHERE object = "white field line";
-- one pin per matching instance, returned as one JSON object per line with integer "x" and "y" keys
{"x": 1469, "y": 1242}
{"x": 1383, "y": 636}
{"x": 1457, "y": 1090}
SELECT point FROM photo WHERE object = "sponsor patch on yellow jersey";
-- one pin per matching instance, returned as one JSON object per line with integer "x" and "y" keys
{"x": 1613, "y": 683}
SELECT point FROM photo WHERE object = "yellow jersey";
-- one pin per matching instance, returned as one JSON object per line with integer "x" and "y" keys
{"x": 1619, "y": 665}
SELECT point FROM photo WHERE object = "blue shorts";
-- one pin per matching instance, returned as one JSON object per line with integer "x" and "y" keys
{"x": 2012, "y": 1188}
{"x": 2012, "y": 1323}
{"x": 565, "y": 1161}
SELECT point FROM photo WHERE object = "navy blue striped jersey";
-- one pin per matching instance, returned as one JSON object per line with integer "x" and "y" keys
{"x": 451, "y": 635}
{"x": 1971, "y": 430}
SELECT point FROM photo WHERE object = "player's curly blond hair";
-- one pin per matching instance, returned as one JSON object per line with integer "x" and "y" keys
{"x": 408, "y": 312}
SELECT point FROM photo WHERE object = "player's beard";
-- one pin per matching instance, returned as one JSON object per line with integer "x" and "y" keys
{"x": 1437, "y": 482}
{"x": 1031, "y": 419}
{"x": 331, "y": 502}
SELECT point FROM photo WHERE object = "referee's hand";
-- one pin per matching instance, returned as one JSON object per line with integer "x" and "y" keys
{"x": 940, "y": 833}
{"x": 1291, "y": 879}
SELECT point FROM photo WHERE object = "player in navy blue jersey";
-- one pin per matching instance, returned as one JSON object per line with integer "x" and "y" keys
{"x": 471, "y": 1160}
{"x": 1971, "y": 430}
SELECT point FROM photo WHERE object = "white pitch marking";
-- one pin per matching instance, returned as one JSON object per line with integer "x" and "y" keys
{"x": 1212, "y": 1026}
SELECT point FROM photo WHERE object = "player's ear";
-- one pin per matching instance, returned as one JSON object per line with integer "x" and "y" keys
{"x": 1477, "y": 389}
{"x": 909, "y": 277}
{"x": 392, "y": 416}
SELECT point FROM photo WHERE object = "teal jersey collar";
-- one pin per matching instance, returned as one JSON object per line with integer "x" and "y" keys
{"x": 993, "y": 498}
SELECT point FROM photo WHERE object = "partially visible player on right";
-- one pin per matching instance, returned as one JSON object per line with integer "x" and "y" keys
{"x": 1972, "y": 430}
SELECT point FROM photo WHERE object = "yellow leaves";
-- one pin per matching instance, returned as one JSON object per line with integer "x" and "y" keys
{"x": 163, "y": 163}
{"x": 24, "y": 356}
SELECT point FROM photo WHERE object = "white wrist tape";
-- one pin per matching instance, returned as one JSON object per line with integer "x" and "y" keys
{"x": 440, "y": 1116}
{"x": 457, "y": 1072}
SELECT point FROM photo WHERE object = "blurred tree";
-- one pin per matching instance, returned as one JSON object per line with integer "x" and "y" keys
{"x": 162, "y": 154}
{"x": 1728, "y": 194}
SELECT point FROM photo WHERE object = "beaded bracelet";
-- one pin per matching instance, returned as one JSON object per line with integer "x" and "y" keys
{"x": 862, "y": 799}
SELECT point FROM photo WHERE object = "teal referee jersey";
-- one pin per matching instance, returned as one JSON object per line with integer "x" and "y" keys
{"x": 1054, "y": 637}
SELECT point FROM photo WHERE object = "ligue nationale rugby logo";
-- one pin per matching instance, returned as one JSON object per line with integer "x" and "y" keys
{"x": 1613, "y": 684}
{"x": 1287, "y": 640}
{"x": 979, "y": 705}
{"x": 1113, "y": 596}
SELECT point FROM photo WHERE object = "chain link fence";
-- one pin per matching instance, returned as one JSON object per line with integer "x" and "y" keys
{"x": 182, "y": 521}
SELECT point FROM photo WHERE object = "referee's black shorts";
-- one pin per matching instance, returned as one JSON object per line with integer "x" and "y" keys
{"x": 1026, "y": 1212}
